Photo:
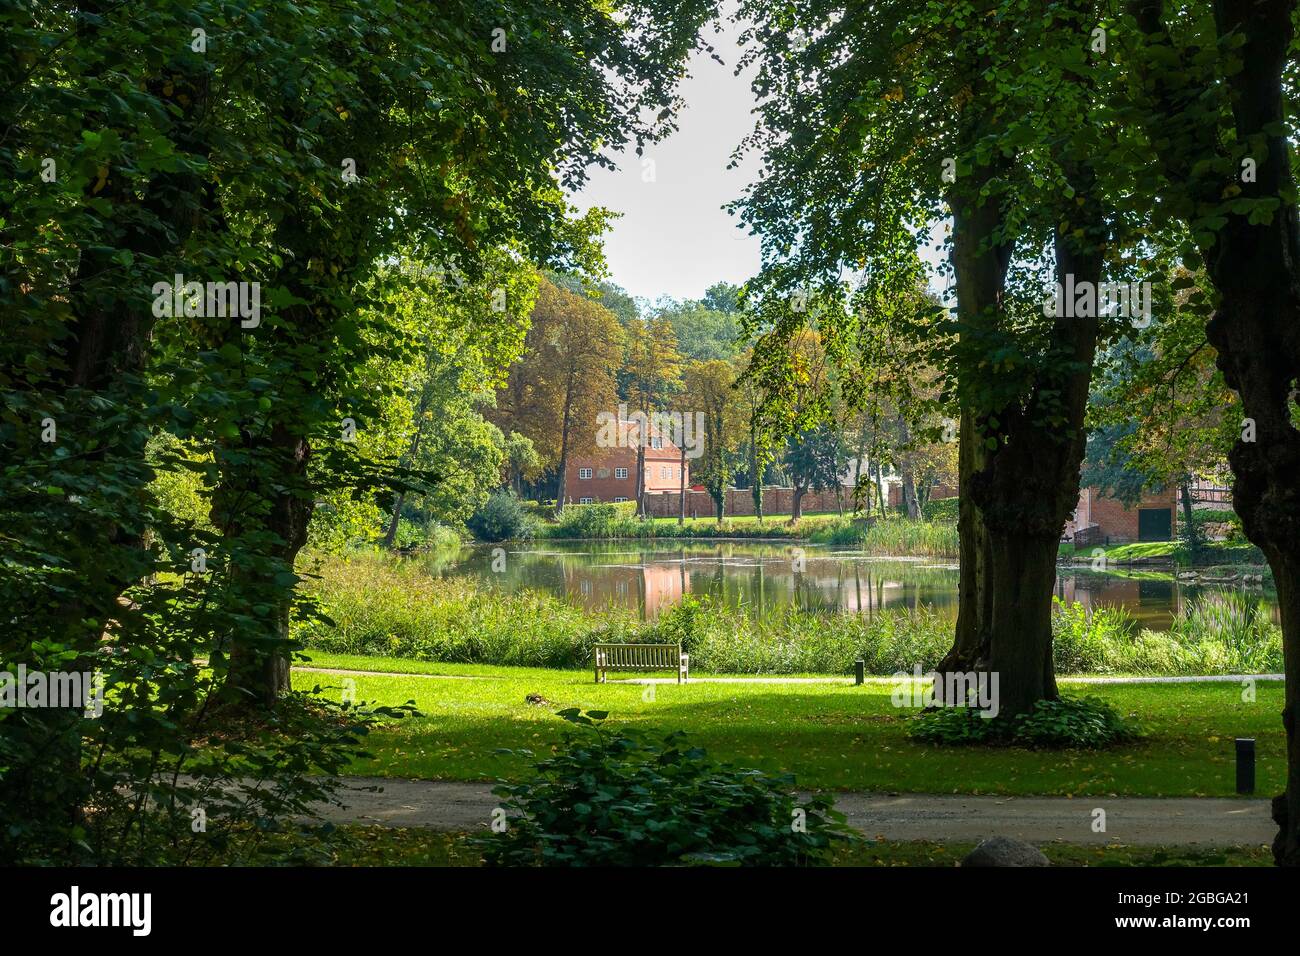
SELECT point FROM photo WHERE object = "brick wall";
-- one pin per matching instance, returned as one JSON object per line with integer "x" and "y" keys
{"x": 740, "y": 501}
{"x": 662, "y": 468}
{"x": 1117, "y": 522}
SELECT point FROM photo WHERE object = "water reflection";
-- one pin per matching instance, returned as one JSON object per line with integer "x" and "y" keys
{"x": 762, "y": 577}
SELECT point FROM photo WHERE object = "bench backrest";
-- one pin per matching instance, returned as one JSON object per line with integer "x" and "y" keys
{"x": 639, "y": 656}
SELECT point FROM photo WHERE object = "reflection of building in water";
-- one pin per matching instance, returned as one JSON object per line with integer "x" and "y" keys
{"x": 653, "y": 587}
{"x": 1151, "y": 602}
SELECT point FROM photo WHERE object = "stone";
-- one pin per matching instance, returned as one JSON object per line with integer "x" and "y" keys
{"x": 1004, "y": 851}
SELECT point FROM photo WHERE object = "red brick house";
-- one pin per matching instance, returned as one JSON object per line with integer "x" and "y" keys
{"x": 1102, "y": 520}
{"x": 610, "y": 473}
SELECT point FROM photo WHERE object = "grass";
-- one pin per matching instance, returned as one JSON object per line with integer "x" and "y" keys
{"x": 385, "y": 846}
{"x": 894, "y": 536}
{"x": 831, "y": 736}
{"x": 739, "y": 526}
{"x": 395, "y": 608}
{"x": 1167, "y": 552}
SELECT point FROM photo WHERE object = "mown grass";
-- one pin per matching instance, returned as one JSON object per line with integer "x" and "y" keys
{"x": 1167, "y": 552}
{"x": 832, "y": 736}
{"x": 385, "y": 846}
{"x": 394, "y": 608}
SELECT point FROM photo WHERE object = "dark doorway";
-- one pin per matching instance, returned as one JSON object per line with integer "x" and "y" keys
{"x": 1155, "y": 524}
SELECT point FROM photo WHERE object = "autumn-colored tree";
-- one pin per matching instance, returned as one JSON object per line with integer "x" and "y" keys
{"x": 709, "y": 390}
{"x": 650, "y": 376}
{"x": 565, "y": 379}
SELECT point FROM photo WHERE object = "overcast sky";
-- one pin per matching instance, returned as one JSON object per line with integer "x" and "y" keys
{"x": 674, "y": 238}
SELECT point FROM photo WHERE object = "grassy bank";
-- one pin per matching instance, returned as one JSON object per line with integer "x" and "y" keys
{"x": 587, "y": 524}
{"x": 1168, "y": 553}
{"x": 394, "y": 608}
{"x": 833, "y": 736}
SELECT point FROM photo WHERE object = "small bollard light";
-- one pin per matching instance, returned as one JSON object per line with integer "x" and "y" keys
{"x": 1245, "y": 764}
{"x": 859, "y": 671}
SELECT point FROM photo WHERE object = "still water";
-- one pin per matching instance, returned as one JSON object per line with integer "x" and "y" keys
{"x": 762, "y": 576}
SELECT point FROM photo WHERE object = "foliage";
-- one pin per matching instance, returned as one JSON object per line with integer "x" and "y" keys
{"x": 501, "y": 518}
{"x": 609, "y": 519}
{"x": 630, "y": 797}
{"x": 895, "y": 536}
{"x": 1066, "y": 722}
{"x": 398, "y": 608}
{"x": 226, "y": 155}
{"x": 940, "y": 509}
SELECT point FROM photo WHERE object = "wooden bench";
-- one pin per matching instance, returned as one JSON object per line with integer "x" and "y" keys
{"x": 641, "y": 657}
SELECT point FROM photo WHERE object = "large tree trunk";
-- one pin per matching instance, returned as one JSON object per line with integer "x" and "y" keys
{"x": 1256, "y": 331}
{"x": 796, "y": 503}
{"x": 1256, "y": 328}
{"x": 1015, "y": 498}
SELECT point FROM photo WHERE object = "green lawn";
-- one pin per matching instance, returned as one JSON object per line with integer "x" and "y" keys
{"x": 1215, "y": 552}
{"x": 830, "y": 736}
{"x": 384, "y": 846}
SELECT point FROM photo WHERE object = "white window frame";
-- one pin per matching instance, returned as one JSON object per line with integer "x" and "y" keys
{"x": 584, "y": 474}
{"x": 585, "y": 501}
{"x": 617, "y": 500}
{"x": 620, "y": 473}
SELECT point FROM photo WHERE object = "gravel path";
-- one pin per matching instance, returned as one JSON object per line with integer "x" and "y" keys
{"x": 447, "y": 805}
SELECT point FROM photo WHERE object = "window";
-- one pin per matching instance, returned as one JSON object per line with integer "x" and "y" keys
{"x": 656, "y": 443}
{"x": 617, "y": 500}
{"x": 665, "y": 471}
{"x": 584, "y": 473}
{"x": 584, "y": 501}
{"x": 620, "y": 473}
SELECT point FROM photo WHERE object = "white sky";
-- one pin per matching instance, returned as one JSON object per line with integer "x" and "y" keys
{"x": 674, "y": 238}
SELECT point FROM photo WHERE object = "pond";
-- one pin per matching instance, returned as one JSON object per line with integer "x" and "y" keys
{"x": 763, "y": 576}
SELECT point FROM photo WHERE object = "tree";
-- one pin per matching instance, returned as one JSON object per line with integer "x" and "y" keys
{"x": 703, "y": 333}
{"x": 1208, "y": 87}
{"x": 574, "y": 346}
{"x": 651, "y": 373}
{"x": 520, "y": 460}
{"x": 286, "y": 161}
{"x": 858, "y": 165}
{"x": 816, "y": 459}
{"x": 709, "y": 389}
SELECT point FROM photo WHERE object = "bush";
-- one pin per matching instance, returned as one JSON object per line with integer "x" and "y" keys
{"x": 1225, "y": 630}
{"x": 645, "y": 798}
{"x": 501, "y": 518}
{"x": 940, "y": 509}
{"x": 1065, "y": 722}
{"x": 1085, "y": 640}
{"x": 610, "y": 519}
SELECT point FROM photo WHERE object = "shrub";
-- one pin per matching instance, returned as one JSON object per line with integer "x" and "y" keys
{"x": 501, "y": 518}
{"x": 610, "y": 519}
{"x": 648, "y": 798}
{"x": 940, "y": 509}
{"x": 1226, "y": 627}
{"x": 1085, "y": 640}
{"x": 1064, "y": 722}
